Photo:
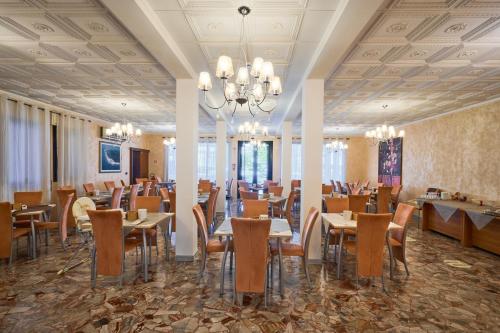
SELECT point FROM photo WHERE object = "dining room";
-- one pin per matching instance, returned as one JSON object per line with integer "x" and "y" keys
{"x": 249, "y": 166}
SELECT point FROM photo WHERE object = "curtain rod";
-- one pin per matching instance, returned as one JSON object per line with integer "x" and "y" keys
{"x": 45, "y": 109}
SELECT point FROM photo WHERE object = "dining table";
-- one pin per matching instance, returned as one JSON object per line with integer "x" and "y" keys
{"x": 107, "y": 195}
{"x": 338, "y": 221}
{"x": 273, "y": 201}
{"x": 151, "y": 221}
{"x": 32, "y": 211}
{"x": 280, "y": 229}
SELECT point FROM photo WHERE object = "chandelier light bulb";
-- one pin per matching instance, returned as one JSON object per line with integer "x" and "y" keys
{"x": 231, "y": 92}
{"x": 258, "y": 92}
{"x": 275, "y": 87}
{"x": 243, "y": 77}
{"x": 108, "y": 131}
{"x": 267, "y": 72}
{"x": 401, "y": 133}
{"x": 138, "y": 132}
{"x": 257, "y": 67}
{"x": 204, "y": 82}
{"x": 384, "y": 128}
{"x": 224, "y": 67}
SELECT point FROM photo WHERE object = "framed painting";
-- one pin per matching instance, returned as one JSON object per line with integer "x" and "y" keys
{"x": 390, "y": 161}
{"x": 110, "y": 158}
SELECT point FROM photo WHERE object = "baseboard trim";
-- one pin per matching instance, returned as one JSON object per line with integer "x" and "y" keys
{"x": 184, "y": 258}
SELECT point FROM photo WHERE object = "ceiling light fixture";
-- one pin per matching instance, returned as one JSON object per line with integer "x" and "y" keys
{"x": 337, "y": 145}
{"x": 383, "y": 134}
{"x": 123, "y": 132}
{"x": 253, "y": 81}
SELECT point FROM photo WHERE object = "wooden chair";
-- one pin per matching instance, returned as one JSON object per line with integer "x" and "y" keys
{"x": 116, "y": 197}
{"x": 134, "y": 189}
{"x": 255, "y": 208}
{"x": 141, "y": 180}
{"x": 8, "y": 234}
{"x": 242, "y": 185}
{"x": 357, "y": 203}
{"x": 29, "y": 198}
{"x": 208, "y": 245}
{"x": 333, "y": 186}
{"x": 348, "y": 188}
{"x": 172, "y": 198}
{"x": 326, "y": 189}
{"x": 289, "y": 207}
{"x": 335, "y": 205}
{"x": 340, "y": 189}
{"x": 153, "y": 205}
{"x": 62, "y": 225}
{"x": 211, "y": 204}
{"x": 276, "y": 190}
{"x": 204, "y": 187}
{"x": 277, "y": 207}
{"x": 89, "y": 188}
{"x": 62, "y": 195}
{"x": 369, "y": 245}
{"x": 396, "y": 190}
{"x": 146, "y": 188}
{"x": 384, "y": 199}
{"x": 249, "y": 195}
{"x": 300, "y": 250}
{"x": 251, "y": 249}
{"x": 397, "y": 237}
{"x": 295, "y": 184}
{"x": 110, "y": 245}
{"x": 110, "y": 185}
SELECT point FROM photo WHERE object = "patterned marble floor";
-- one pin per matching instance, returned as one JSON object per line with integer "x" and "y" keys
{"x": 450, "y": 289}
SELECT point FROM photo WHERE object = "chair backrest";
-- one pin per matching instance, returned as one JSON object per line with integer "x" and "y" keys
{"x": 276, "y": 190}
{"x": 89, "y": 187}
{"x": 116, "y": 197}
{"x": 357, "y": 203}
{"x": 305, "y": 236}
{"x": 134, "y": 189}
{"x": 204, "y": 180}
{"x": 333, "y": 185}
{"x": 151, "y": 203}
{"x": 30, "y": 198}
{"x": 396, "y": 190}
{"x": 204, "y": 187}
{"x": 141, "y": 180}
{"x": 123, "y": 183}
{"x": 336, "y": 205}
{"x": 172, "y": 198}
{"x": 370, "y": 241}
{"x": 289, "y": 207}
{"x": 348, "y": 187}
{"x": 5, "y": 230}
{"x": 66, "y": 199}
{"x": 356, "y": 190}
{"x": 110, "y": 184}
{"x": 248, "y": 195}
{"x": 365, "y": 184}
{"x": 255, "y": 208}
{"x": 66, "y": 187}
{"x": 340, "y": 189}
{"x": 146, "y": 187}
{"x": 202, "y": 225}
{"x": 212, "y": 200}
{"x": 242, "y": 185}
{"x": 251, "y": 249}
{"x": 383, "y": 199}
{"x": 326, "y": 189}
{"x": 108, "y": 239}
{"x": 62, "y": 196}
{"x": 402, "y": 216}
{"x": 164, "y": 193}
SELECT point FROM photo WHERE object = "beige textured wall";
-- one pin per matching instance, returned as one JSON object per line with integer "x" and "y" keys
{"x": 154, "y": 143}
{"x": 459, "y": 152}
{"x": 361, "y": 157}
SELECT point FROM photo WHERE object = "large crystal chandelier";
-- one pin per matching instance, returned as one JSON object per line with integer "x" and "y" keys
{"x": 248, "y": 132}
{"x": 383, "y": 134}
{"x": 336, "y": 145}
{"x": 123, "y": 132}
{"x": 253, "y": 81}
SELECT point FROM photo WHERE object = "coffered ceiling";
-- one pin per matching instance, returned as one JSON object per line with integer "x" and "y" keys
{"x": 418, "y": 59}
{"x": 75, "y": 54}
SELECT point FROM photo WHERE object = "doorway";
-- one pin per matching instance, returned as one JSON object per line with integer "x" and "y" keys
{"x": 139, "y": 164}
{"x": 255, "y": 162}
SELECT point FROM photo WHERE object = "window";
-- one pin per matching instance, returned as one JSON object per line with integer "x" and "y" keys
{"x": 171, "y": 162}
{"x": 207, "y": 160}
{"x": 334, "y": 165}
{"x": 296, "y": 160}
{"x": 228, "y": 160}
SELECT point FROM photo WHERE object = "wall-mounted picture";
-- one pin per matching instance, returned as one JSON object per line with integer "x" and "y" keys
{"x": 390, "y": 161}
{"x": 109, "y": 157}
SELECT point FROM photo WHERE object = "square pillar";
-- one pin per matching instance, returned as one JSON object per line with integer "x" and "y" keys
{"x": 186, "y": 120}
{"x": 312, "y": 159}
{"x": 221, "y": 163}
{"x": 286, "y": 157}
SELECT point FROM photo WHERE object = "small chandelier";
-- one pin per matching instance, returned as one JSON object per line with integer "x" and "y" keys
{"x": 337, "y": 145}
{"x": 123, "y": 132}
{"x": 383, "y": 134}
{"x": 169, "y": 142}
{"x": 253, "y": 81}
{"x": 248, "y": 131}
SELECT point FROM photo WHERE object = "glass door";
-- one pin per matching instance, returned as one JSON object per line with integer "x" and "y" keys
{"x": 255, "y": 162}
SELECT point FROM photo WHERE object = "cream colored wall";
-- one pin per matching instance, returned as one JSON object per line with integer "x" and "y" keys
{"x": 361, "y": 156}
{"x": 154, "y": 143}
{"x": 459, "y": 152}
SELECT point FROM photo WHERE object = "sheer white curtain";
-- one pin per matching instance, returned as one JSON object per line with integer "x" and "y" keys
{"x": 334, "y": 165}
{"x": 207, "y": 160}
{"x": 296, "y": 160}
{"x": 73, "y": 136}
{"x": 24, "y": 149}
{"x": 171, "y": 163}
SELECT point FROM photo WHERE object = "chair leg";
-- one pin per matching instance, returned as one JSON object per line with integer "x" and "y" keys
{"x": 405, "y": 263}
{"x": 272, "y": 272}
{"x": 265, "y": 289}
{"x": 391, "y": 257}
{"x": 382, "y": 279}
{"x": 93, "y": 269}
{"x": 202, "y": 264}
{"x": 157, "y": 252}
{"x": 231, "y": 261}
{"x": 305, "y": 262}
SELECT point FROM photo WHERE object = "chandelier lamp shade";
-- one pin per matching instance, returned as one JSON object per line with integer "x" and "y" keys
{"x": 253, "y": 83}
{"x": 337, "y": 145}
{"x": 384, "y": 133}
{"x": 124, "y": 132}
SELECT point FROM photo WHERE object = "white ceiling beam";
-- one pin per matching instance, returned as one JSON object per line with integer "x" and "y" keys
{"x": 347, "y": 23}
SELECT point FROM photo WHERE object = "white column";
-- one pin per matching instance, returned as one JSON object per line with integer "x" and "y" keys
{"x": 220, "y": 132}
{"x": 186, "y": 119}
{"x": 312, "y": 162}
{"x": 286, "y": 156}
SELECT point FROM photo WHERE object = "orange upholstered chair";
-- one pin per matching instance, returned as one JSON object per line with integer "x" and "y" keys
{"x": 204, "y": 187}
{"x": 110, "y": 185}
{"x": 62, "y": 195}
{"x": 8, "y": 234}
{"x": 384, "y": 199}
{"x": 302, "y": 249}
{"x": 397, "y": 239}
{"x": 326, "y": 189}
{"x": 276, "y": 190}
{"x": 369, "y": 245}
{"x": 211, "y": 204}
{"x": 248, "y": 195}
{"x": 396, "y": 190}
{"x": 289, "y": 207}
{"x": 357, "y": 203}
{"x": 146, "y": 188}
{"x": 134, "y": 189}
{"x": 207, "y": 245}
{"x": 89, "y": 188}
{"x": 336, "y": 205}
{"x": 340, "y": 189}
{"x": 110, "y": 244}
{"x": 153, "y": 205}
{"x": 251, "y": 249}
{"x": 255, "y": 208}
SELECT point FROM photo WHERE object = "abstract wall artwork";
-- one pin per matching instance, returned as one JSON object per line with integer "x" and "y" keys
{"x": 390, "y": 161}
{"x": 109, "y": 157}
